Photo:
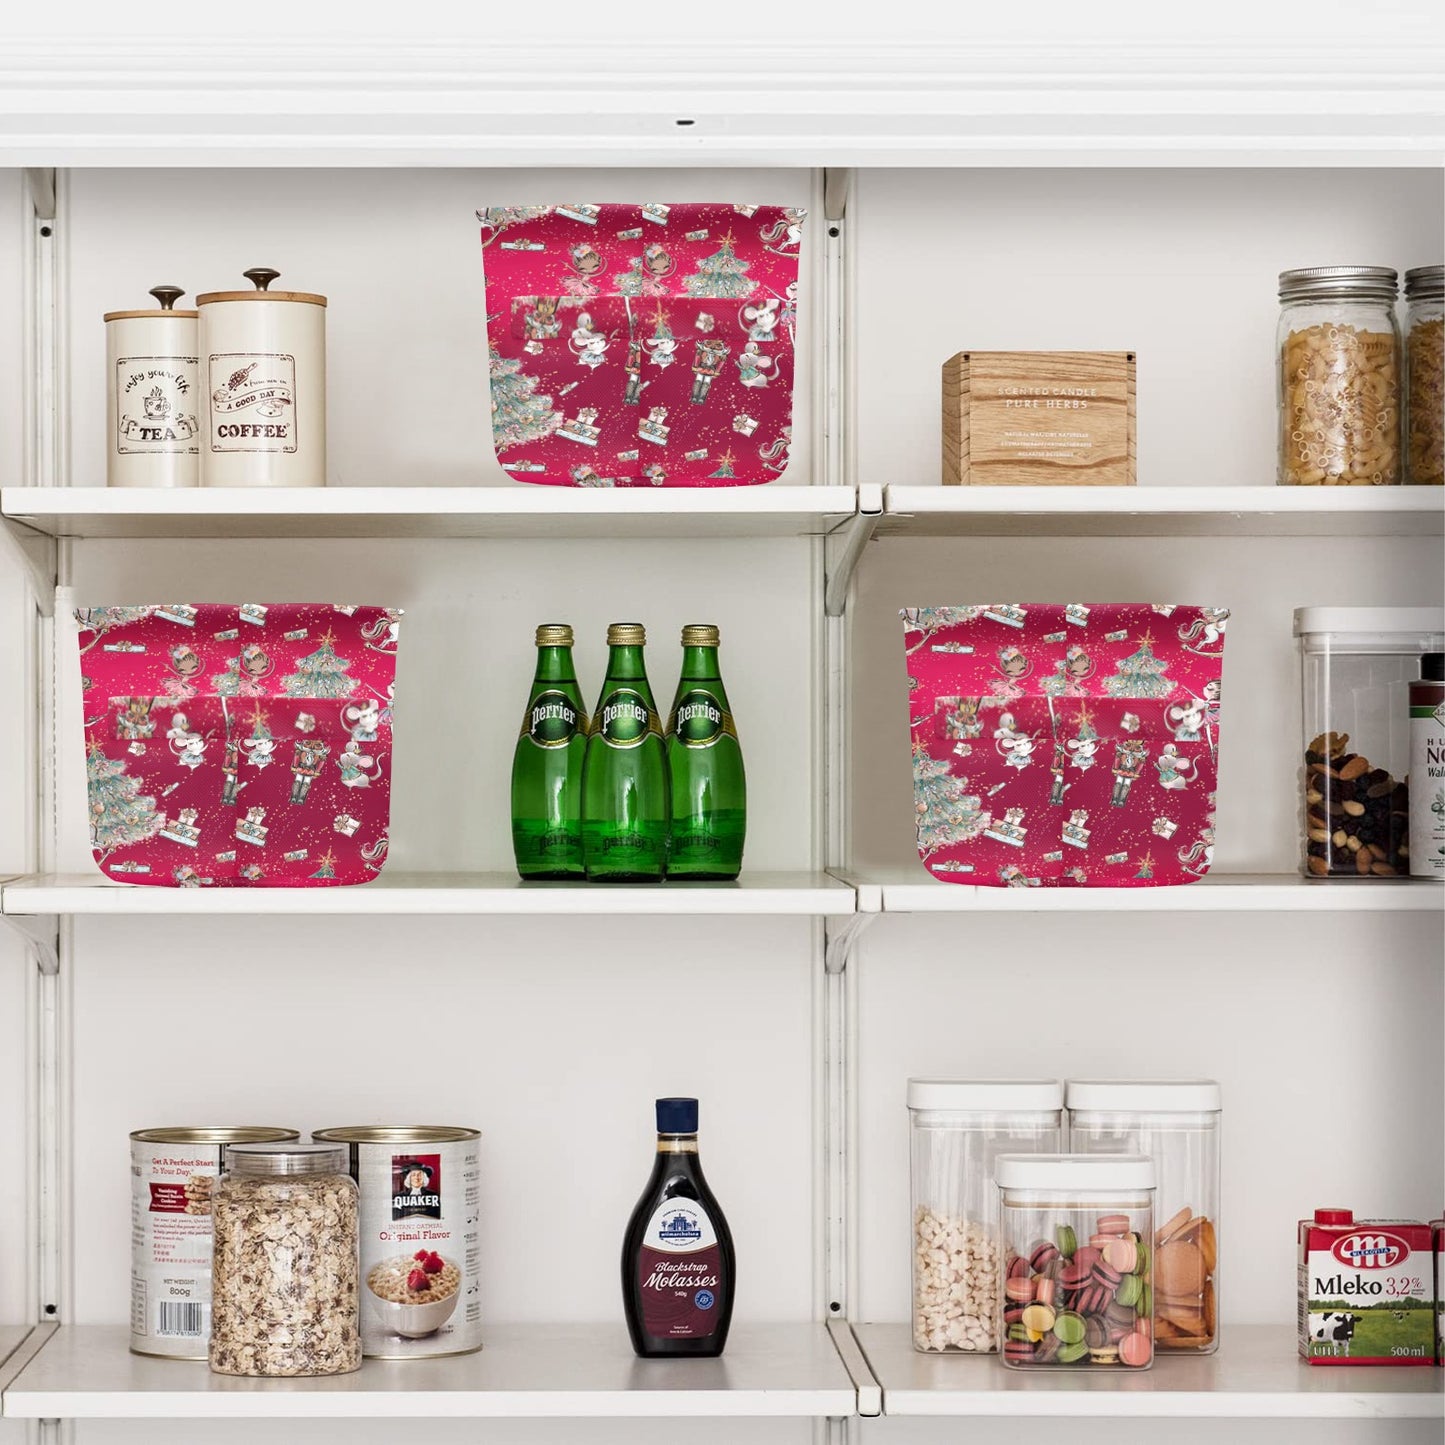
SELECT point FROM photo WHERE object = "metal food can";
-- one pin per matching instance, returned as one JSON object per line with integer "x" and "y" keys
{"x": 263, "y": 375}
{"x": 172, "y": 1173}
{"x": 420, "y": 1237}
{"x": 152, "y": 395}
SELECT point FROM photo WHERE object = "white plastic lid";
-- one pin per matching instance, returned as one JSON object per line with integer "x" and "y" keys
{"x": 1144, "y": 1096}
{"x": 1373, "y": 620}
{"x": 1074, "y": 1171}
{"x": 986, "y": 1095}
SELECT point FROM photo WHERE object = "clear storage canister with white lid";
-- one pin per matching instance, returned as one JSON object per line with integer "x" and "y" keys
{"x": 1077, "y": 1264}
{"x": 958, "y": 1128}
{"x": 1425, "y": 376}
{"x": 1176, "y": 1123}
{"x": 1357, "y": 664}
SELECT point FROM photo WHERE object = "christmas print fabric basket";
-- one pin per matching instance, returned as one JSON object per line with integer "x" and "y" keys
{"x": 642, "y": 345}
{"x": 1065, "y": 746}
{"x": 240, "y": 746}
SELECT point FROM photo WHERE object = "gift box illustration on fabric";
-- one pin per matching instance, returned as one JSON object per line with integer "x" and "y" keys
{"x": 1072, "y": 746}
{"x": 238, "y": 746}
{"x": 642, "y": 345}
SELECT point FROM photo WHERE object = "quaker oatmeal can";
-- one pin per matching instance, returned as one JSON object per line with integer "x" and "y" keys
{"x": 172, "y": 1172}
{"x": 420, "y": 1237}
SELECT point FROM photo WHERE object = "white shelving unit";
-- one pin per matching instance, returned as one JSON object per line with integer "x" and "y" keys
{"x": 1188, "y": 177}
{"x": 1152, "y": 511}
{"x": 1255, "y": 1375}
{"x": 523, "y": 1372}
{"x": 439, "y": 895}
{"x": 910, "y": 889}
{"x": 419, "y": 512}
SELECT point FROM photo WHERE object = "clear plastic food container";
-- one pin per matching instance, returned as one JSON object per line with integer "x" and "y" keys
{"x": 1176, "y": 1123}
{"x": 958, "y": 1129}
{"x": 1077, "y": 1260}
{"x": 1357, "y": 664}
{"x": 284, "y": 1281}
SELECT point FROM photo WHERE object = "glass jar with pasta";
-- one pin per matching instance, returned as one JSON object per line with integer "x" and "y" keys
{"x": 1339, "y": 377}
{"x": 1425, "y": 375}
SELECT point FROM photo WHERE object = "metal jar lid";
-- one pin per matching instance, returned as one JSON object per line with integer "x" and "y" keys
{"x": 167, "y": 296}
{"x": 1425, "y": 283}
{"x": 397, "y": 1134}
{"x": 237, "y": 1134}
{"x": 1338, "y": 283}
{"x": 286, "y": 1159}
{"x": 261, "y": 277}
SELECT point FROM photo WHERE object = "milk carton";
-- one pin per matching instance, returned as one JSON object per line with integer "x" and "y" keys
{"x": 1366, "y": 1291}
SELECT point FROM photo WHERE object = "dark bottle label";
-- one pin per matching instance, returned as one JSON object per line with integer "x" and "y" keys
{"x": 699, "y": 719}
{"x": 680, "y": 1272}
{"x": 624, "y": 719}
{"x": 552, "y": 720}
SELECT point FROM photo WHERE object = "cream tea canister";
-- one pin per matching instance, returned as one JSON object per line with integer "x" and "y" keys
{"x": 263, "y": 364}
{"x": 153, "y": 397}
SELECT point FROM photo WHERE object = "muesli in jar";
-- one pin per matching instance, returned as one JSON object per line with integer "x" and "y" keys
{"x": 172, "y": 1175}
{"x": 420, "y": 1237}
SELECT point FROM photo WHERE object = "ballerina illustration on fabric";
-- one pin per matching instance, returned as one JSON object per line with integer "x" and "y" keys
{"x": 646, "y": 276}
{"x": 588, "y": 345}
{"x": 185, "y": 663}
{"x": 1070, "y": 674}
{"x": 661, "y": 346}
{"x": 1174, "y": 770}
{"x": 586, "y": 263}
{"x": 1012, "y": 666}
{"x": 760, "y": 321}
{"x": 243, "y": 675}
{"x": 752, "y": 365}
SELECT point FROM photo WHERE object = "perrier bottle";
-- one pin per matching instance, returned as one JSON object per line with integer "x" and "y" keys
{"x": 705, "y": 764}
{"x": 547, "y": 765}
{"x": 624, "y": 784}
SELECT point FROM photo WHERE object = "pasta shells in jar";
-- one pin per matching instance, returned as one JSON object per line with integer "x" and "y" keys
{"x": 285, "y": 1273}
{"x": 1339, "y": 377}
{"x": 1425, "y": 375}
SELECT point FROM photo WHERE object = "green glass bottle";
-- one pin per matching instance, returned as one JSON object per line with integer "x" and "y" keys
{"x": 705, "y": 765}
{"x": 624, "y": 783}
{"x": 547, "y": 765}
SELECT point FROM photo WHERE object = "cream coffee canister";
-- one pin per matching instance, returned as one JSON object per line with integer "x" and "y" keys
{"x": 152, "y": 399}
{"x": 263, "y": 371}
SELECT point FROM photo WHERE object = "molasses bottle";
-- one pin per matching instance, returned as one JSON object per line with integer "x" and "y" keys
{"x": 678, "y": 1266}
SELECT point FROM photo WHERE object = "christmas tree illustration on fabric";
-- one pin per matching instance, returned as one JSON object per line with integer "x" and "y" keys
{"x": 120, "y": 814}
{"x": 1141, "y": 674}
{"x": 101, "y": 620}
{"x": 721, "y": 276}
{"x": 725, "y": 467}
{"x": 946, "y": 813}
{"x": 518, "y": 414}
{"x": 326, "y": 870}
{"x": 320, "y": 674}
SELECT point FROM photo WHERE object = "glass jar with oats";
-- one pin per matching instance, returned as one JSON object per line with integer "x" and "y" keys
{"x": 1339, "y": 377}
{"x": 1425, "y": 375}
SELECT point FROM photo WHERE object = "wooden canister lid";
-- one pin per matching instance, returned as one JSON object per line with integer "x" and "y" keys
{"x": 261, "y": 277}
{"x": 167, "y": 296}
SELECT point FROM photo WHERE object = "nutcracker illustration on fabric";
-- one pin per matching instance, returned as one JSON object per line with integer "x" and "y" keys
{"x": 1122, "y": 704}
{"x": 590, "y": 305}
{"x": 261, "y": 720}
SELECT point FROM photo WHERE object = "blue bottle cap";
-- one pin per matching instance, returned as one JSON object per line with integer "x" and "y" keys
{"x": 677, "y": 1116}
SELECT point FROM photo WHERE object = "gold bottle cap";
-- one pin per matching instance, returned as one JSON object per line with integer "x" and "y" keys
{"x": 700, "y": 634}
{"x": 554, "y": 634}
{"x": 626, "y": 634}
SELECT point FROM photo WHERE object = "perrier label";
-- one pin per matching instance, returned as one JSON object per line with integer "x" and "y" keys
{"x": 624, "y": 783}
{"x": 547, "y": 765}
{"x": 705, "y": 767}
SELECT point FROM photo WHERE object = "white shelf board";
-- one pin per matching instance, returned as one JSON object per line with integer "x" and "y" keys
{"x": 1255, "y": 1375}
{"x": 437, "y": 894}
{"x": 72, "y": 101}
{"x": 1261, "y": 511}
{"x": 770, "y": 510}
{"x": 910, "y": 889}
{"x": 523, "y": 1371}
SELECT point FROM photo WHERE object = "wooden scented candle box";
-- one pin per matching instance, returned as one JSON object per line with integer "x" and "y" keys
{"x": 1039, "y": 418}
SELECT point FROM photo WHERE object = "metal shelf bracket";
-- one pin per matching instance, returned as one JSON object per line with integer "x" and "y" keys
{"x": 846, "y": 546}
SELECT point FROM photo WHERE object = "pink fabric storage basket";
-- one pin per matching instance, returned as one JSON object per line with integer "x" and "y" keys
{"x": 245, "y": 746}
{"x": 1072, "y": 746}
{"x": 642, "y": 345}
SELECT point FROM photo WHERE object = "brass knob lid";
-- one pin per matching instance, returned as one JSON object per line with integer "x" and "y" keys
{"x": 167, "y": 296}
{"x": 261, "y": 277}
